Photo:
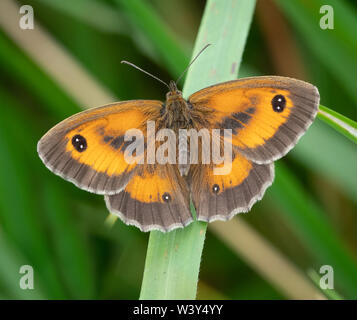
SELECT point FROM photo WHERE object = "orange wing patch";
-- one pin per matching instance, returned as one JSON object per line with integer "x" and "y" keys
{"x": 240, "y": 171}
{"x": 156, "y": 198}
{"x": 267, "y": 115}
{"x": 149, "y": 187}
{"x": 251, "y": 116}
{"x": 88, "y": 148}
{"x": 221, "y": 197}
{"x": 105, "y": 143}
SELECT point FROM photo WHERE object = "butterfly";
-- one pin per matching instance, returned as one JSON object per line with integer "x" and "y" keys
{"x": 266, "y": 117}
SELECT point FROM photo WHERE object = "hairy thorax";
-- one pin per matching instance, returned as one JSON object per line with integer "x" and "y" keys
{"x": 176, "y": 112}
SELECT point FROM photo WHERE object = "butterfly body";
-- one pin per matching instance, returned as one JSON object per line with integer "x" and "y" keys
{"x": 265, "y": 115}
{"x": 176, "y": 113}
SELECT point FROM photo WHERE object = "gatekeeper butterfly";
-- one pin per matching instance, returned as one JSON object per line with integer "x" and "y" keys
{"x": 266, "y": 116}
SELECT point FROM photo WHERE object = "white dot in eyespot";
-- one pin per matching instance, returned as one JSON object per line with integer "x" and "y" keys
{"x": 215, "y": 188}
{"x": 166, "y": 197}
{"x": 79, "y": 143}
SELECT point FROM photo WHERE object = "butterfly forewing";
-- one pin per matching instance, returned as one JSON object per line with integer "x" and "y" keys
{"x": 88, "y": 148}
{"x": 267, "y": 115}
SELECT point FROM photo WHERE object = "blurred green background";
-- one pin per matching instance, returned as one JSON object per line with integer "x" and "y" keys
{"x": 309, "y": 214}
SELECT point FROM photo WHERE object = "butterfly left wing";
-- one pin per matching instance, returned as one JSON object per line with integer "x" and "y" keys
{"x": 220, "y": 197}
{"x": 156, "y": 198}
{"x": 267, "y": 115}
{"x": 88, "y": 147}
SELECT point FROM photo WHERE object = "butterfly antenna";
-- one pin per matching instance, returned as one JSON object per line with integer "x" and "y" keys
{"x": 194, "y": 59}
{"x": 148, "y": 73}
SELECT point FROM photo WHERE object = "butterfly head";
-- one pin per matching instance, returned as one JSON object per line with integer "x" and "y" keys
{"x": 174, "y": 92}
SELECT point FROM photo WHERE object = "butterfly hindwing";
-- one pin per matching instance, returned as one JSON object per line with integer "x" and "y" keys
{"x": 267, "y": 115}
{"x": 88, "y": 148}
{"x": 156, "y": 198}
{"x": 220, "y": 197}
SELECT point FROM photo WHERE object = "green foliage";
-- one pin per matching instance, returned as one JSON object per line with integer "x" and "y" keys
{"x": 171, "y": 258}
{"x": 339, "y": 122}
{"x": 309, "y": 213}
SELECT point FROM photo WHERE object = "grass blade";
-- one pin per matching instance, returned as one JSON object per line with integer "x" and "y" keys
{"x": 335, "y": 48}
{"x": 21, "y": 70}
{"x": 173, "y": 259}
{"x": 20, "y": 218}
{"x": 60, "y": 64}
{"x": 100, "y": 15}
{"x": 145, "y": 18}
{"x": 339, "y": 122}
{"x": 330, "y": 154}
{"x": 266, "y": 259}
{"x": 172, "y": 263}
{"x": 10, "y": 262}
{"x": 311, "y": 225}
{"x": 93, "y": 12}
{"x": 331, "y": 294}
{"x": 74, "y": 260}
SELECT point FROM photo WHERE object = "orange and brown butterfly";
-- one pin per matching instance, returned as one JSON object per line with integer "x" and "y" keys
{"x": 266, "y": 115}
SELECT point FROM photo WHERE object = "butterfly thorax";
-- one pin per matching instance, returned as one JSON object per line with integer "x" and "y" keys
{"x": 176, "y": 109}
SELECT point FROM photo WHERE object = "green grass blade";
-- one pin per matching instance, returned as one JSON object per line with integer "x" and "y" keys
{"x": 10, "y": 262}
{"x": 21, "y": 70}
{"x": 20, "y": 218}
{"x": 335, "y": 48}
{"x": 339, "y": 122}
{"x": 69, "y": 253}
{"x": 172, "y": 263}
{"x": 142, "y": 15}
{"x": 225, "y": 27}
{"x": 74, "y": 260}
{"x": 310, "y": 223}
{"x": 173, "y": 259}
{"x": 95, "y": 13}
{"x": 329, "y": 154}
{"x": 101, "y": 16}
{"x": 331, "y": 294}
